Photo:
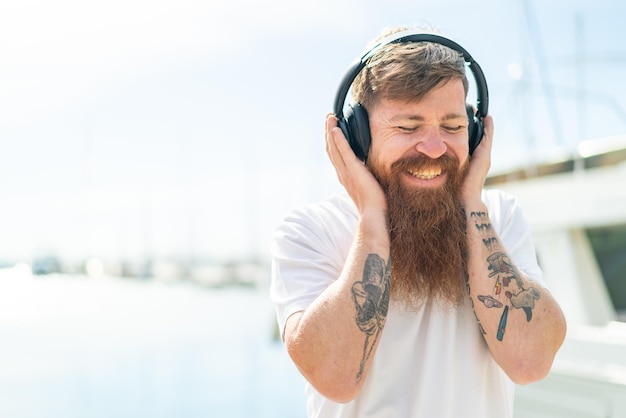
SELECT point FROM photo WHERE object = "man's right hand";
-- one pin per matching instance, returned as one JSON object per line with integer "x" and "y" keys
{"x": 355, "y": 177}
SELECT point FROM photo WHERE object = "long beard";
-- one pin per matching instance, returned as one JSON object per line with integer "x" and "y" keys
{"x": 428, "y": 236}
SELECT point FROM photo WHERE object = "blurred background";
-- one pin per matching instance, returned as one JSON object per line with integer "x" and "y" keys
{"x": 150, "y": 148}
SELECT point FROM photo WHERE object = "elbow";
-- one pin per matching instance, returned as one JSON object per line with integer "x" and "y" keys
{"x": 336, "y": 391}
{"x": 537, "y": 363}
{"x": 529, "y": 373}
{"x": 330, "y": 379}
{"x": 533, "y": 368}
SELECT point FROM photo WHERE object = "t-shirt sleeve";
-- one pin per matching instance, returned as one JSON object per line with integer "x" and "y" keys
{"x": 305, "y": 261}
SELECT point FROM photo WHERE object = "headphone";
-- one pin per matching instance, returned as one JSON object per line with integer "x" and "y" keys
{"x": 355, "y": 123}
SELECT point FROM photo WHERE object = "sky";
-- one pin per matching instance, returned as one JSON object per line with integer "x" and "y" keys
{"x": 187, "y": 129}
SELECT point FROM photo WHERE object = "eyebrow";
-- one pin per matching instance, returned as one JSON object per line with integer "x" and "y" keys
{"x": 419, "y": 118}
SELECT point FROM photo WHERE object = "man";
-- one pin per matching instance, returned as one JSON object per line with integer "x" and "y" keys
{"x": 416, "y": 293}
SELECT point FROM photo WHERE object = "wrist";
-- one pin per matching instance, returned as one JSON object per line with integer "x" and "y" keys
{"x": 373, "y": 227}
{"x": 473, "y": 202}
{"x": 473, "y": 205}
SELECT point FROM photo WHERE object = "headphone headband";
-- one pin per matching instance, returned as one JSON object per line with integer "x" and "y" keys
{"x": 355, "y": 122}
{"x": 482, "y": 94}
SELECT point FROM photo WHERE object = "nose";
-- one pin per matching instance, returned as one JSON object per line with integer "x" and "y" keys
{"x": 432, "y": 145}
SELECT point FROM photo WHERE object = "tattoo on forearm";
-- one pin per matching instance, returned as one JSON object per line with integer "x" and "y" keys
{"x": 504, "y": 272}
{"x": 502, "y": 323}
{"x": 467, "y": 286}
{"x": 489, "y": 301}
{"x": 371, "y": 299}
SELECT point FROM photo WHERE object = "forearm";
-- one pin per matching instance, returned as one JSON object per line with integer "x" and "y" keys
{"x": 520, "y": 320}
{"x": 334, "y": 340}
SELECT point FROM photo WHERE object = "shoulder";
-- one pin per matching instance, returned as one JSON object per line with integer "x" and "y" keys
{"x": 498, "y": 200}
{"x": 329, "y": 222}
{"x": 335, "y": 210}
{"x": 501, "y": 205}
{"x": 308, "y": 251}
{"x": 505, "y": 213}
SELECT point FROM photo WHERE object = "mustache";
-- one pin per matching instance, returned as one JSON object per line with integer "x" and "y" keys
{"x": 420, "y": 162}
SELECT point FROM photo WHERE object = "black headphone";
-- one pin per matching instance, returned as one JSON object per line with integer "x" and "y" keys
{"x": 355, "y": 123}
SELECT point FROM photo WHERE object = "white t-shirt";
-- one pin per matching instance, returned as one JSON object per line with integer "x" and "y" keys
{"x": 433, "y": 363}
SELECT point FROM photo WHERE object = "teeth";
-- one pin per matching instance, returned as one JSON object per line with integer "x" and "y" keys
{"x": 426, "y": 174}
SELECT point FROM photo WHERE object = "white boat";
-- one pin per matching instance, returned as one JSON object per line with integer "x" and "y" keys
{"x": 577, "y": 211}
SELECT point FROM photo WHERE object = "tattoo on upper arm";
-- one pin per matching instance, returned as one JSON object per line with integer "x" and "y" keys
{"x": 506, "y": 276}
{"x": 371, "y": 299}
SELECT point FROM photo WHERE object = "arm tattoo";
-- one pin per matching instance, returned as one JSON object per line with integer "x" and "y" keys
{"x": 505, "y": 272}
{"x": 371, "y": 299}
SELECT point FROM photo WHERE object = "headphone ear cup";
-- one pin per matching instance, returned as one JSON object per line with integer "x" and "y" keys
{"x": 358, "y": 125}
{"x": 474, "y": 128}
{"x": 345, "y": 127}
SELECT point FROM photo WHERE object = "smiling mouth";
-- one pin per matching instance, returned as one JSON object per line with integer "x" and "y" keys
{"x": 427, "y": 174}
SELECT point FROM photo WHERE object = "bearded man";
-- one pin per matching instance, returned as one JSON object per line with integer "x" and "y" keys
{"x": 407, "y": 296}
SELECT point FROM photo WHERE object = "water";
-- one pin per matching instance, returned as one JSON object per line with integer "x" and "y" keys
{"x": 83, "y": 347}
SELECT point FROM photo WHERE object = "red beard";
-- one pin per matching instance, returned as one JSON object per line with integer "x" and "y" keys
{"x": 427, "y": 230}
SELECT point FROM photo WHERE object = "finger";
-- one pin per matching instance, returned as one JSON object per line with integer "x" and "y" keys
{"x": 334, "y": 140}
{"x": 487, "y": 139}
{"x": 342, "y": 145}
{"x": 331, "y": 147}
{"x": 331, "y": 122}
{"x": 338, "y": 142}
{"x": 488, "y": 127}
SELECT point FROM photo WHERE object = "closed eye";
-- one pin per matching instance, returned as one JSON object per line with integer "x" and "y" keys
{"x": 455, "y": 128}
{"x": 407, "y": 129}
